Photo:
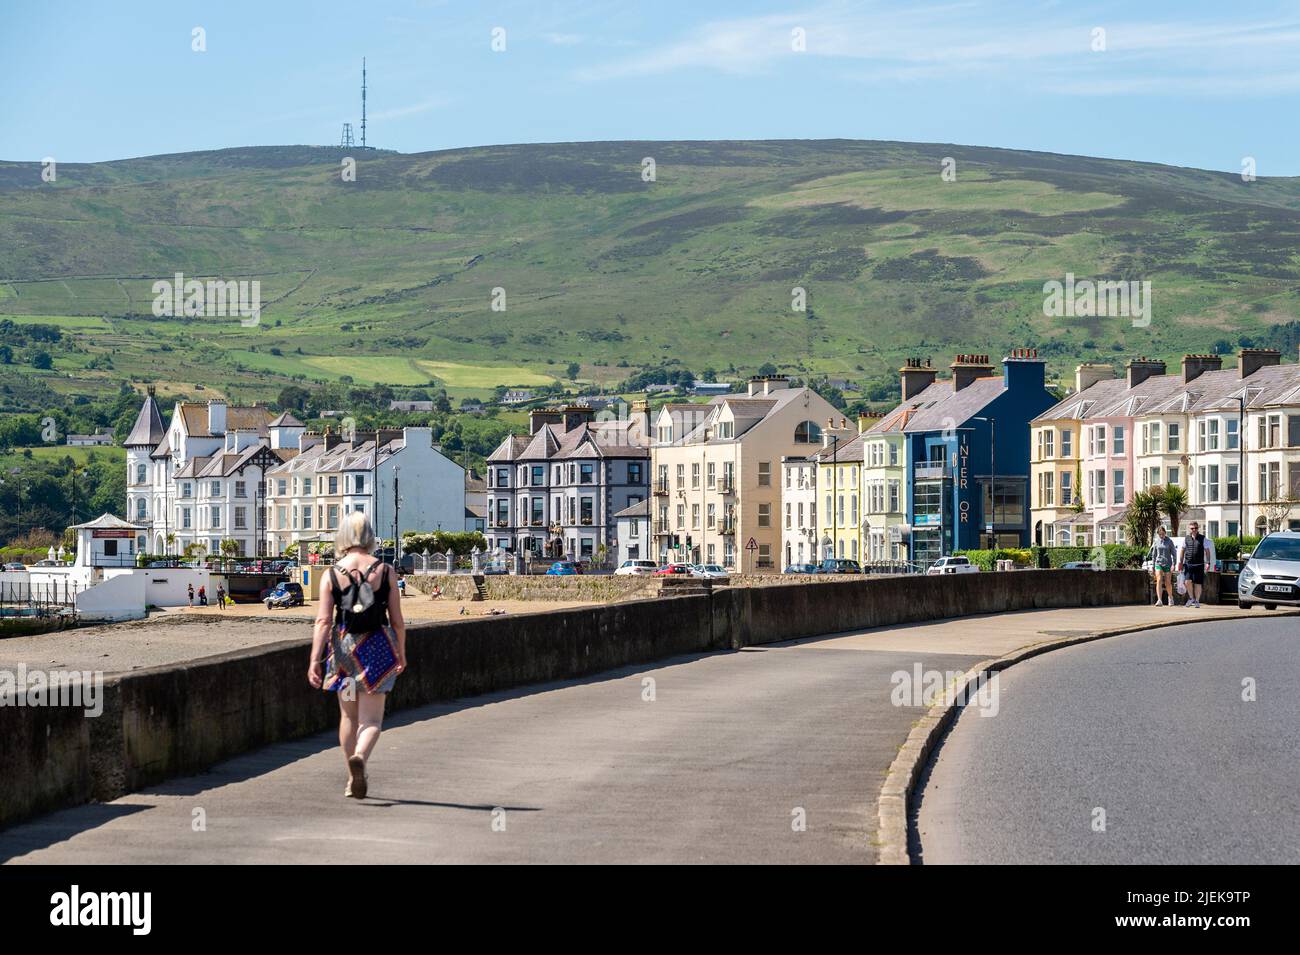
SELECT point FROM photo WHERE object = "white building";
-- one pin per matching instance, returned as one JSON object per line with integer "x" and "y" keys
{"x": 799, "y": 510}
{"x": 196, "y": 481}
{"x": 632, "y": 532}
{"x": 419, "y": 489}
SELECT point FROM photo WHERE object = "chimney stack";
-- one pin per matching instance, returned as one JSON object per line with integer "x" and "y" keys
{"x": 916, "y": 377}
{"x": 216, "y": 416}
{"x": 575, "y": 416}
{"x": 1196, "y": 365}
{"x": 540, "y": 417}
{"x": 1089, "y": 373}
{"x": 968, "y": 368}
{"x": 760, "y": 385}
{"x": 1140, "y": 369}
{"x": 1251, "y": 360}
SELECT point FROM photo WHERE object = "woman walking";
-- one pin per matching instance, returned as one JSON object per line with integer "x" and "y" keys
{"x": 1162, "y": 564}
{"x": 360, "y": 628}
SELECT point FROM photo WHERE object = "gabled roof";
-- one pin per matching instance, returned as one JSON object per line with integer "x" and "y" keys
{"x": 639, "y": 509}
{"x": 286, "y": 420}
{"x": 108, "y": 520}
{"x": 148, "y": 429}
{"x": 164, "y": 447}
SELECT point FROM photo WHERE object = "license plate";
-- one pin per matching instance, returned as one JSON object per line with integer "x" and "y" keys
{"x": 1277, "y": 588}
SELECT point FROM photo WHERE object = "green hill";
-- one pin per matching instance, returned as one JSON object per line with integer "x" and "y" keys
{"x": 390, "y": 278}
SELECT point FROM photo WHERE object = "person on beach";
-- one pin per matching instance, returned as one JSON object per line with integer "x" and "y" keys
{"x": 360, "y": 638}
{"x": 203, "y": 596}
{"x": 191, "y": 594}
{"x": 1162, "y": 565}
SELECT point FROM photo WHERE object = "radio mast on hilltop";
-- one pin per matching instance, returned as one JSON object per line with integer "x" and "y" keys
{"x": 346, "y": 141}
{"x": 363, "y": 102}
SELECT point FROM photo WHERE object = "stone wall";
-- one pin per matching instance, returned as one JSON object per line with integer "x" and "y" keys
{"x": 183, "y": 718}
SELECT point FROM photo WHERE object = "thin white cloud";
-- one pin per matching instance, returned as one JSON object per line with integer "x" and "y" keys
{"x": 436, "y": 102}
{"x": 564, "y": 39}
{"x": 1229, "y": 54}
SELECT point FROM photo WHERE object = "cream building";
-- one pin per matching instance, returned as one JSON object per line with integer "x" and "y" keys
{"x": 716, "y": 472}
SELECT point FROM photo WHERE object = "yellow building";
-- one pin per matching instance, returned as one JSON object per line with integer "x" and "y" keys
{"x": 716, "y": 472}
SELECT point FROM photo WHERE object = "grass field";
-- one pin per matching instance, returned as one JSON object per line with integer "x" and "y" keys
{"x": 392, "y": 279}
{"x": 57, "y": 452}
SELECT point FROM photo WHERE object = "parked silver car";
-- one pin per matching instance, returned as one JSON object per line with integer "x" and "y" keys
{"x": 1272, "y": 575}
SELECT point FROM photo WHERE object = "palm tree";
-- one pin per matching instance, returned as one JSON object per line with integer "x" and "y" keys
{"x": 1173, "y": 504}
{"x": 1142, "y": 518}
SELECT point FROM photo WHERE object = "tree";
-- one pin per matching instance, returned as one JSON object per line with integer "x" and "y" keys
{"x": 6, "y": 355}
{"x": 1173, "y": 504}
{"x": 42, "y": 360}
{"x": 1142, "y": 518}
{"x": 1277, "y": 511}
{"x": 571, "y": 372}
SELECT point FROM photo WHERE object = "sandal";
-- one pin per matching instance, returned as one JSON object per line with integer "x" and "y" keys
{"x": 356, "y": 777}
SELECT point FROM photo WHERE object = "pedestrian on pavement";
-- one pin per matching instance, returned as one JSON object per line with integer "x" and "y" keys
{"x": 1162, "y": 555}
{"x": 190, "y": 588}
{"x": 203, "y": 596}
{"x": 1196, "y": 555}
{"x": 221, "y": 597}
{"x": 360, "y": 635}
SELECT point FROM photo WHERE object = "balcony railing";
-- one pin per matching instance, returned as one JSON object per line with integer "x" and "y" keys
{"x": 661, "y": 487}
{"x": 928, "y": 472}
{"x": 727, "y": 485}
{"x": 662, "y": 528}
{"x": 502, "y": 523}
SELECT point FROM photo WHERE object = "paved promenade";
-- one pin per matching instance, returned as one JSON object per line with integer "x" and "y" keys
{"x": 772, "y": 754}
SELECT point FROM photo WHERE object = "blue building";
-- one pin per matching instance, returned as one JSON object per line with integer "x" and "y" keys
{"x": 967, "y": 464}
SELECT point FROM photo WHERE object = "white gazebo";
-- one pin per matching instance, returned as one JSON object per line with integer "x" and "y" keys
{"x": 107, "y": 541}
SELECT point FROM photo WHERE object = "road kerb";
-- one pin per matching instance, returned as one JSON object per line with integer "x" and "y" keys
{"x": 895, "y": 799}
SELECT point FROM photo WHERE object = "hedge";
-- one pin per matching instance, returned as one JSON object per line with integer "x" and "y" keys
{"x": 987, "y": 559}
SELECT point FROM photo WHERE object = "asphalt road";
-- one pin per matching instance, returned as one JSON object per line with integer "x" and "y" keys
{"x": 1151, "y": 729}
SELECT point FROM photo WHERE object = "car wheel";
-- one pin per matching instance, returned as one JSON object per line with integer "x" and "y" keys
{"x": 1270, "y": 606}
{"x": 1245, "y": 604}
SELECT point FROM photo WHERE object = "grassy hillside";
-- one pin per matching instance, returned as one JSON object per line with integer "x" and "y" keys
{"x": 389, "y": 278}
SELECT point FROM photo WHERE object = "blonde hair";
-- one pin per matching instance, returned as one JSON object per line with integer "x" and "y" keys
{"x": 354, "y": 531}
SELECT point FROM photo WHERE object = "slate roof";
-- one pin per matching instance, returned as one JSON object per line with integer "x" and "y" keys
{"x": 148, "y": 429}
{"x": 938, "y": 406}
{"x": 1169, "y": 394}
{"x": 639, "y": 509}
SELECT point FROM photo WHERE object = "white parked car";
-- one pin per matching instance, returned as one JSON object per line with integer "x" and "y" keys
{"x": 1272, "y": 575}
{"x": 636, "y": 568}
{"x": 709, "y": 570}
{"x": 952, "y": 565}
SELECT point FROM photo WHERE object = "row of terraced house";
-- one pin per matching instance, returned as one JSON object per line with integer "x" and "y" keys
{"x": 766, "y": 478}
{"x": 216, "y": 474}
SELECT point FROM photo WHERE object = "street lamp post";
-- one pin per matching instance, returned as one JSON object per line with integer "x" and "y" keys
{"x": 1242, "y": 483}
{"x": 18, "y": 475}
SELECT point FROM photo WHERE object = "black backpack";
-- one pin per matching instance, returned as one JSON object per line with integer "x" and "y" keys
{"x": 355, "y": 607}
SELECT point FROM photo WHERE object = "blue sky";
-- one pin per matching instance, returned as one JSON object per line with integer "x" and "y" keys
{"x": 1189, "y": 83}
